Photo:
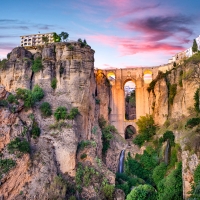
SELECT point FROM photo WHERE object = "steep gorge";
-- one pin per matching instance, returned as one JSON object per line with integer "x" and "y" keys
{"x": 77, "y": 158}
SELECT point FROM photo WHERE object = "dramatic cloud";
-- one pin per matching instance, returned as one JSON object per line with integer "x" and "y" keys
{"x": 161, "y": 27}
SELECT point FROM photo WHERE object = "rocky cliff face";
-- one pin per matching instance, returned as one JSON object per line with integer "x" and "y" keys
{"x": 172, "y": 100}
{"x": 56, "y": 151}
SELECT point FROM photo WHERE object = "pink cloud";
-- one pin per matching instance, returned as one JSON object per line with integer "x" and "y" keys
{"x": 130, "y": 46}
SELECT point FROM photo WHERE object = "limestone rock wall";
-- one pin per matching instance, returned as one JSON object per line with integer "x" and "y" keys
{"x": 55, "y": 151}
{"x": 177, "y": 114}
{"x": 183, "y": 100}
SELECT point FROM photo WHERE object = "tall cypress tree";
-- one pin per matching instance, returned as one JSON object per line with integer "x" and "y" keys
{"x": 194, "y": 46}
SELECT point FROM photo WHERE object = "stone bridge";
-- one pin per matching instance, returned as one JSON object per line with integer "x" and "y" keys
{"x": 117, "y": 104}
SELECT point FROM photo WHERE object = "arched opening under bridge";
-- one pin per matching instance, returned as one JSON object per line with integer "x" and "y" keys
{"x": 130, "y": 100}
{"x": 130, "y": 132}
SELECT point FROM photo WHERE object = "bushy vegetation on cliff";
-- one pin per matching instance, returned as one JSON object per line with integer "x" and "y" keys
{"x": 107, "y": 134}
{"x": 61, "y": 113}
{"x": 146, "y": 129}
{"x": 5, "y": 166}
{"x": 30, "y": 97}
{"x": 37, "y": 65}
{"x": 150, "y": 175}
{"x": 195, "y": 192}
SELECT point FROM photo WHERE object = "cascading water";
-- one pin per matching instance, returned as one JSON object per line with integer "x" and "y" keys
{"x": 121, "y": 162}
{"x": 167, "y": 153}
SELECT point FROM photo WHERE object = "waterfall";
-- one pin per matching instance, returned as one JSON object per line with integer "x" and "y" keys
{"x": 167, "y": 153}
{"x": 121, "y": 162}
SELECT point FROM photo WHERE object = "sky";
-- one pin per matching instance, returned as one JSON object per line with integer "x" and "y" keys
{"x": 123, "y": 33}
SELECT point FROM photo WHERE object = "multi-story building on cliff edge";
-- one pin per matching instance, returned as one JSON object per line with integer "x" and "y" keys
{"x": 36, "y": 39}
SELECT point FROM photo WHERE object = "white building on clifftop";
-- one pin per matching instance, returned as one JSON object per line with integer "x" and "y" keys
{"x": 35, "y": 39}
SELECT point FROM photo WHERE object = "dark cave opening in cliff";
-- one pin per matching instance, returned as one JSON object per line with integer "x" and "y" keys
{"x": 130, "y": 100}
{"x": 130, "y": 131}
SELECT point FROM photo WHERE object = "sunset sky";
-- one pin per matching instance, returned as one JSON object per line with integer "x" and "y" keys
{"x": 123, "y": 33}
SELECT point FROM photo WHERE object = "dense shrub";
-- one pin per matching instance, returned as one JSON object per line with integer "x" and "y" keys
{"x": 140, "y": 139}
{"x": 3, "y": 103}
{"x": 45, "y": 109}
{"x": 6, "y": 165}
{"x": 159, "y": 172}
{"x": 171, "y": 187}
{"x": 54, "y": 83}
{"x": 84, "y": 175}
{"x": 107, "y": 136}
{"x": 107, "y": 133}
{"x": 146, "y": 129}
{"x": 83, "y": 144}
{"x": 196, "y": 100}
{"x": 133, "y": 167}
{"x": 26, "y": 96}
{"x": 37, "y": 93}
{"x": 192, "y": 122}
{"x": 37, "y": 65}
{"x": 73, "y": 113}
{"x": 19, "y": 145}
{"x": 12, "y": 99}
{"x": 125, "y": 182}
{"x": 30, "y": 97}
{"x": 60, "y": 113}
{"x": 142, "y": 192}
{"x": 108, "y": 191}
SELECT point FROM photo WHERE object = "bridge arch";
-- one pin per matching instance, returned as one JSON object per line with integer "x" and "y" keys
{"x": 147, "y": 76}
{"x": 111, "y": 77}
{"x": 141, "y": 77}
{"x": 129, "y": 132}
{"x": 129, "y": 99}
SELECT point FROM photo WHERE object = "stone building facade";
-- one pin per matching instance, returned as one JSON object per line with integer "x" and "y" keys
{"x": 35, "y": 39}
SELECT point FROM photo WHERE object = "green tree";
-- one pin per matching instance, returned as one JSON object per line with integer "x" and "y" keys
{"x": 146, "y": 129}
{"x": 56, "y": 37}
{"x": 83, "y": 42}
{"x": 45, "y": 39}
{"x": 194, "y": 46}
{"x": 142, "y": 192}
{"x": 64, "y": 36}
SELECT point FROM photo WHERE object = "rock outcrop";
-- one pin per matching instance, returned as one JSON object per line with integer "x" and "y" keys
{"x": 56, "y": 150}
